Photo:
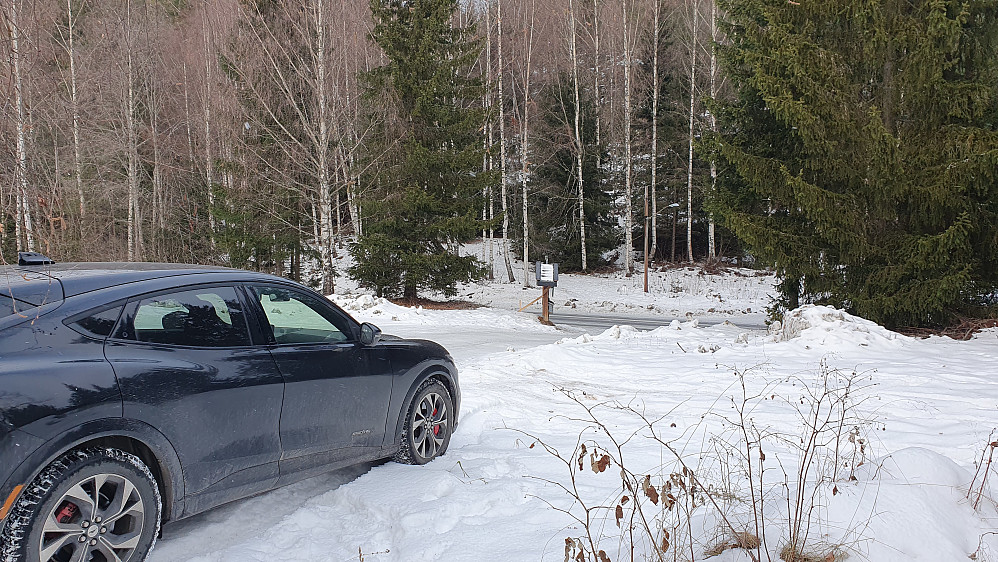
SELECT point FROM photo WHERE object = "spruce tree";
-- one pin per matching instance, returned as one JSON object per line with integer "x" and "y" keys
{"x": 861, "y": 153}
{"x": 427, "y": 149}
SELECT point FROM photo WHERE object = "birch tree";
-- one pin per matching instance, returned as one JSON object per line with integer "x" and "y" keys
{"x": 652, "y": 197}
{"x": 628, "y": 43}
{"x": 714, "y": 86}
{"x": 694, "y": 47}
{"x": 528, "y": 50}
{"x": 135, "y": 243}
{"x": 502, "y": 149}
{"x": 68, "y": 41}
{"x": 24, "y": 228}
{"x": 579, "y": 146}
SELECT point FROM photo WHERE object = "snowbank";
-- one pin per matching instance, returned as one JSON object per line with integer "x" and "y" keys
{"x": 829, "y": 326}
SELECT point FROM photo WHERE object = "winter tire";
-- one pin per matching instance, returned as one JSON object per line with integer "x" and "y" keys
{"x": 428, "y": 424}
{"x": 93, "y": 505}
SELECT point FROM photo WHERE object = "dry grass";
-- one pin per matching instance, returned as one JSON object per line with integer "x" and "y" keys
{"x": 789, "y": 554}
{"x": 743, "y": 540}
{"x": 962, "y": 329}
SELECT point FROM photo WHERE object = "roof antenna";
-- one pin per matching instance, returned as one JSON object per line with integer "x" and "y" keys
{"x": 33, "y": 258}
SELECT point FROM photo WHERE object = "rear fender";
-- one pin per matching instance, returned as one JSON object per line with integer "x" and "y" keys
{"x": 110, "y": 431}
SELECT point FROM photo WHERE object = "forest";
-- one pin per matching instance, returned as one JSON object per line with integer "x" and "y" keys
{"x": 851, "y": 145}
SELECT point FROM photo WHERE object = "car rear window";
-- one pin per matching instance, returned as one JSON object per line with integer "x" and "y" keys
{"x": 210, "y": 317}
{"x": 100, "y": 323}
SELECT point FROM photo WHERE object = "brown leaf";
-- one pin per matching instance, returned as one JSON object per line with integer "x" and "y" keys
{"x": 624, "y": 500}
{"x": 618, "y": 514}
{"x": 835, "y": 490}
{"x": 669, "y": 501}
{"x": 601, "y": 464}
{"x": 665, "y": 541}
{"x": 532, "y": 445}
{"x": 650, "y": 490}
{"x": 603, "y": 557}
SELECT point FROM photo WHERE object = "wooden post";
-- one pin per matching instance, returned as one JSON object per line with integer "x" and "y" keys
{"x": 545, "y": 300}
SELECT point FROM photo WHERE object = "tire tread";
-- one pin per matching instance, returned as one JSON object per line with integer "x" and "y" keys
{"x": 14, "y": 532}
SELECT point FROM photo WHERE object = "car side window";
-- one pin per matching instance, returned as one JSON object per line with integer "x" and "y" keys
{"x": 298, "y": 318}
{"x": 209, "y": 317}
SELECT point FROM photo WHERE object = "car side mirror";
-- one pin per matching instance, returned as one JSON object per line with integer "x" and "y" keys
{"x": 369, "y": 334}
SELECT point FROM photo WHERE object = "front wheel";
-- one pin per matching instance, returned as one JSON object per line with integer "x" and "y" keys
{"x": 428, "y": 424}
{"x": 93, "y": 505}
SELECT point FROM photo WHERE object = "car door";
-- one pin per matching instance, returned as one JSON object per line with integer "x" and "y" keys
{"x": 336, "y": 389}
{"x": 186, "y": 365}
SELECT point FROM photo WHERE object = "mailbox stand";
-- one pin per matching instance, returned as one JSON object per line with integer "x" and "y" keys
{"x": 547, "y": 277}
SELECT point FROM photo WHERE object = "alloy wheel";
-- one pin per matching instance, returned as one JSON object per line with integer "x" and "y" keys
{"x": 100, "y": 519}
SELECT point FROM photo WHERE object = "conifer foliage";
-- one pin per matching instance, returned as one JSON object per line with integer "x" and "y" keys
{"x": 861, "y": 152}
{"x": 426, "y": 154}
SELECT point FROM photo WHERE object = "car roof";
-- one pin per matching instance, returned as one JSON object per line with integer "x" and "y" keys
{"x": 34, "y": 283}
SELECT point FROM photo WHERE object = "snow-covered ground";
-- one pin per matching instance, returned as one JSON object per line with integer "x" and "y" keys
{"x": 917, "y": 417}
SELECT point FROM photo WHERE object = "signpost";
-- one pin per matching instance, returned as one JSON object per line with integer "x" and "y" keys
{"x": 547, "y": 277}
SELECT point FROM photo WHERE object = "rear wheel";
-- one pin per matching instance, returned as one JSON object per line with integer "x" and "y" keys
{"x": 94, "y": 505}
{"x": 428, "y": 424}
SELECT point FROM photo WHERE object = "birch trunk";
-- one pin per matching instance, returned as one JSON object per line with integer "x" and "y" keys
{"x": 322, "y": 152}
{"x": 628, "y": 168}
{"x": 134, "y": 216}
{"x": 158, "y": 209}
{"x": 528, "y": 39}
{"x": 209, "y": 165}
{"x": 24, "y": 230}
{"x": 502, "y": 151}
{"x": 75, "y": 107}
{"x": 578, "y": 131}
{"x": 656, "y": 86}
{"x": 187, "y": 122}
{"x": 489, "y": 141}
{"x": 711, "y": 243}
{"x": 693, "y": 91}
{"x": 597, "y": 70}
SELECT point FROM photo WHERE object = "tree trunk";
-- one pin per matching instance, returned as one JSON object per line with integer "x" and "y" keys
{"x": 693, "y": 92}
{"x": 528, "y": 39}
{"x": 322, "y": 152}
{"x": 711, "y": 243}
{"x": 24, "y": 230}
{"x": 134, "y": 216}
{"x": 578, "y": 132}
{"x": 597, "y": 69}
{"x": 628, "y": 180}
{"x": 209, "y": 165}
{"x": 656, "y": 86}
{"x": 489, "y": 140}
{"x": 74, "y": 103}
{"x": 502, "y": 151}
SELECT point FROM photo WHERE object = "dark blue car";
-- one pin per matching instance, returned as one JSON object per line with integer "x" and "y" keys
{"x": 134, "y": 394}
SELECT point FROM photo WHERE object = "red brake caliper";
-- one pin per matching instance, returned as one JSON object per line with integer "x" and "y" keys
{"x": 436, "y": 428}
{"x": 67, "y": 512}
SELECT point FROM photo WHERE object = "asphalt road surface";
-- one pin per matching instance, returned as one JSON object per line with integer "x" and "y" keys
{"x": 597, "y": 323}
